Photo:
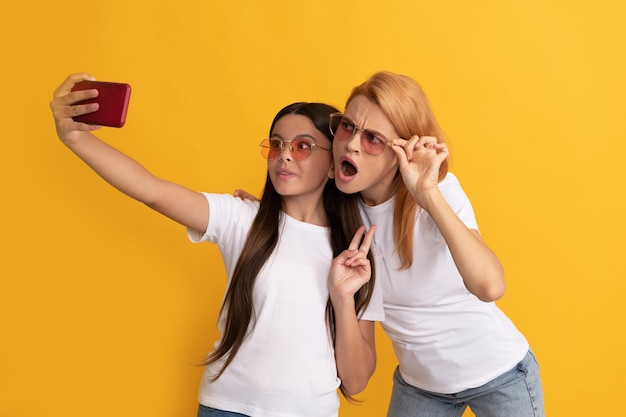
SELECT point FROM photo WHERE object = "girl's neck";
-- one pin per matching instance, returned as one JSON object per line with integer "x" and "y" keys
{"x": 306, "y": 211}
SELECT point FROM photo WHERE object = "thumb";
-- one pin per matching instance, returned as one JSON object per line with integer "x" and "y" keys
{"x": 403, "y": 161}
{"x": 345, "y": 255}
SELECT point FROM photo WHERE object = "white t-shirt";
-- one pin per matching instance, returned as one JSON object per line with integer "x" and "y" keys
{"x": 286, "y": 365}
{"x": 444, "y": 337}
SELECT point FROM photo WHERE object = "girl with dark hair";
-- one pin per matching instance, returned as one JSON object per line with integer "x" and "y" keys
{"x": 294, "y": 328}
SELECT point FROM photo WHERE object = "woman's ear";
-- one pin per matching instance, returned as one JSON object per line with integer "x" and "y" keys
{"x": 331, "y": 171}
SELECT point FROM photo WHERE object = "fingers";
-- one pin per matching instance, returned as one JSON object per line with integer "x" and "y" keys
{"x": 418, "y": 146}
{"x": 71, "y": 81}
{"x": 63, "y": 115}
{"x": 358, "y": 236}
{"x": 64, "y": 107}
{"x": 415, "y": 142}
{"x": 442, "y": 151}
{"x": 367, "y": 241}
{"x": 403, "y": 161}
{"x": 354, "y": 244}
{"x": 61, "y": 112}
{"x": 360, "y": 260}
{"x": 67, "y": 125}
{"x": 244, "y": 195}
{"x": 64, "y": 98}
{"x": 73, "y": 97}
{"x": 357, "y": 254}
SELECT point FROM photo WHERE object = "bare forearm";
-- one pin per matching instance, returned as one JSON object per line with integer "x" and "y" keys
{"x": 354, "y": 350}
{"x": 133, "y": 179}
{"x": 181, "y": 204}
{"x": 116, "y": 168}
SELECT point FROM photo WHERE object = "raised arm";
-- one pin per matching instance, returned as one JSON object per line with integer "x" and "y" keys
{"x": 355, "y": 349}
{"x": 482, "y": 272}
{"x": 181, "y": 204}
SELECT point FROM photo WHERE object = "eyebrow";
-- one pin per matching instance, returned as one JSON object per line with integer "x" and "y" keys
{"x": 378, "y": 132}
{"x": 304, "y": 135}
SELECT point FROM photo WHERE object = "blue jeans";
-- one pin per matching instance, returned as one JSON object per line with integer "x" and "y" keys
{"x": 204, "y": 411}
{"x": 517, "y": 393}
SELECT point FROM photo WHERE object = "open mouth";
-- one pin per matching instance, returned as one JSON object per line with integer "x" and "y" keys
{"x": 348, "y": 169}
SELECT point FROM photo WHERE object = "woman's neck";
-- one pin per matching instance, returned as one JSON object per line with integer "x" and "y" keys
{"x": 378, "y": 194}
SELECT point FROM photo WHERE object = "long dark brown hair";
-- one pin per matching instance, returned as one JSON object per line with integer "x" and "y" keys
{"x": 344, "y": 218}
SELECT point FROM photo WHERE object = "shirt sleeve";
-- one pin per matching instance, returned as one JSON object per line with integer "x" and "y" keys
{"x": 458, "y": 200}
{"x": 229, "y": 217}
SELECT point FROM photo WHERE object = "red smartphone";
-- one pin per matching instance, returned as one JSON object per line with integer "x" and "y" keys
{"x": 113, "y": 99}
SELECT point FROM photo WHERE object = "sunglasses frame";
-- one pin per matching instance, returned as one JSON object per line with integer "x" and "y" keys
{"x": 265, "y": 144}
{"x": 363, "y": 133}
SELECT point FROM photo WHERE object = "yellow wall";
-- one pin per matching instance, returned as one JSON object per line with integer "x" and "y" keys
{"x": 105, "y": 306}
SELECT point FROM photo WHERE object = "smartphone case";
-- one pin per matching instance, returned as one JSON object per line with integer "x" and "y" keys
{"x": 113, "y": 99}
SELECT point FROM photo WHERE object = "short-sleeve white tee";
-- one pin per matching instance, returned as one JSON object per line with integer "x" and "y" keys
{"x": 286, "y": 365}
{"x": 445, "y": 338}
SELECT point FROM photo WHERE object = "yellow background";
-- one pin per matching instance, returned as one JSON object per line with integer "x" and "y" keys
{"x": 105, "y": 306}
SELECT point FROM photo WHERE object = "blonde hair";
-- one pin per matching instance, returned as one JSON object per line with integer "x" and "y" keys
{"x": 404, "y": 103}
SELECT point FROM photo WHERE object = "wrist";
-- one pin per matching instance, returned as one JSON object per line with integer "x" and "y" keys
{"x": 429, "y": 199}
{"x": 342, "y": 302}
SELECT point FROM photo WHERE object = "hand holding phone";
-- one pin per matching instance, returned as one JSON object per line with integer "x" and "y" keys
{"x": 113, "y": 99}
